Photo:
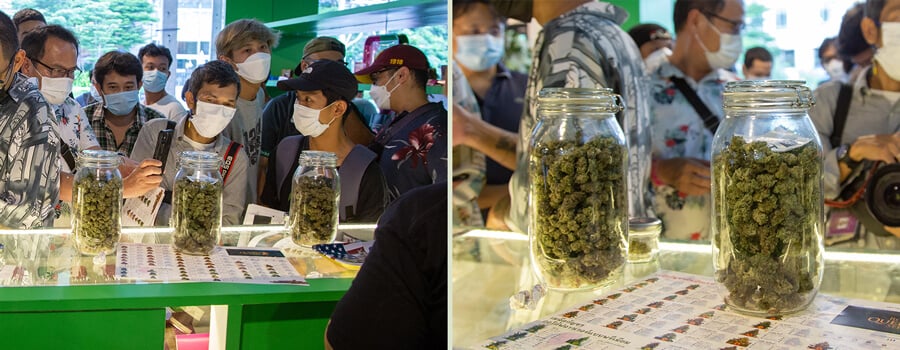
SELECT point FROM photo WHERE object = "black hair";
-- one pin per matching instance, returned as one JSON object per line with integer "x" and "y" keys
{"x": 756, "y": 53}
{"x": 28, "y": 14}
{"x": 824, "y": 46}
{"x": 154, "y": 50}
{"x": 873, "y": 9}
{"x": 461, "y": 7}
{"x": 421, "y": 76}
{"x": 123, "y": 63}
{"x": 9, "y": 40}
{"x": 683, "y": 7}
{"x": 850, "y": 40}
{"x": 34, "y": 42}
{"x": 213, "y": 72}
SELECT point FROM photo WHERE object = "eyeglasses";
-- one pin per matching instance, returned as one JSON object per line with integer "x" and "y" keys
{"x": 736, "y": 26}
{"x": 57, "y": 72}
{"x": 376, "y": 74}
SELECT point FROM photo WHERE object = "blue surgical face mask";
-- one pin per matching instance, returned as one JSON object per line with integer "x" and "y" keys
{"x": 478, "y": 52}
{"x": 154, "y": 80}
{"x": 121, "y": 103}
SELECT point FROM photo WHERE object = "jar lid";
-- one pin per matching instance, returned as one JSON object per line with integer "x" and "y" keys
{"x": 96, "y": 156}
{"x": 768, "y": 94}
{"x": 318, "y": 158}
{"x": 644, "y": 224}
{"x": 580, "y": 99}
{"x": 198, "y": 158}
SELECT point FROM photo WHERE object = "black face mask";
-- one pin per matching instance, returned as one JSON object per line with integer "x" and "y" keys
{"x": 518, "y": 9}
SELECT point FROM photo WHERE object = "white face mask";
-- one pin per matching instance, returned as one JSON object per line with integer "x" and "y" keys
{"x": 154, "y": 80}
{"x": 210, "y": 119}
{"x": 381, "y": 95}
{"x": 306, "y": 120}
{"x": 255, "y": 68}
{"x": 478, "y": 52}
{"x": 730, "y": 49}
{"x": 835, "y": 70}
{"x": 888, "y": 55}
{"x": 657, "y": 58}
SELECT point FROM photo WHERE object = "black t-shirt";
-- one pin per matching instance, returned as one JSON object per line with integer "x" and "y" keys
{"x": 370, "y": 202}
{"x": 277, "y": 123}
{"x": 398, "y": 300}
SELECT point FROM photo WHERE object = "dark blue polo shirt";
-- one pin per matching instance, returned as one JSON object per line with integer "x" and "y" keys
{"x": 504, "y": 110}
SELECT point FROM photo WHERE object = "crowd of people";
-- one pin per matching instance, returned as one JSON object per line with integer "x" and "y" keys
{"x": 687, "y": 71}
{"x": 227, "y": 112}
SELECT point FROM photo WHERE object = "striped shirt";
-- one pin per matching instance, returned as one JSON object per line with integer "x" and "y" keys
{"x": 29, "y": 163}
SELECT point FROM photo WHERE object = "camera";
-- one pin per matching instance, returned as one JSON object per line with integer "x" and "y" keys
{"x": 883, "y": 195}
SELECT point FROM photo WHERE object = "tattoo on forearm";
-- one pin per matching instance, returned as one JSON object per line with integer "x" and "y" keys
{"x": 506, "y": 144}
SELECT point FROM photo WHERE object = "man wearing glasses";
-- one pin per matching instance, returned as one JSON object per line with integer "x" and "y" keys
{"x": 29, "y": 142}
{"x": 686, "y": 106}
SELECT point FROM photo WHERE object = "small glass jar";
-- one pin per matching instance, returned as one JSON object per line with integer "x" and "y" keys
{"x": 578, "y": 189}
{"x": 767, "y": 194}
{"x": 315, "y": 196}
{"x": 643, "y": 239}
{"x": 97, "y": 202}
{"x": 197, "y": 202}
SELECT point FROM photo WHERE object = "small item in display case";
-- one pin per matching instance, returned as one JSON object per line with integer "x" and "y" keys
{"x": 197, "y": 202}
{"x": 96, "y": 203}
{"x": 315, "y": 197}
{"x": 643, "y": 239}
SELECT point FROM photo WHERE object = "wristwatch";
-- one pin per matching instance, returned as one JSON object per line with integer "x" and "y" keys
{"x": 843, "y": 156}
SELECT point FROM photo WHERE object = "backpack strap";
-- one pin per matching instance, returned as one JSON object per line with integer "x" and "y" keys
{"x": 840, "y": 114}
{"x": 286, "y": 154}
{"x": 228, "y": 160}
{"x": 351, "y": 172}
{"x": 709, "y": 119}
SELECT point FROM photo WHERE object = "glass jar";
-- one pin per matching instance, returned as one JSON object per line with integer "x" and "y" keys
{"x": 578, "y": 189}
{"x": 767, "y": 197}
{"x": 315, "y": 196}
{"x": 97, "y": 202}
{"x": 643, "y": 239}
{"x": 197, "y": 202}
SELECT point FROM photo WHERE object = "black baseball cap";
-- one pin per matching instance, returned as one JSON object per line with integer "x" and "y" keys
{"x": 324, "y": 75}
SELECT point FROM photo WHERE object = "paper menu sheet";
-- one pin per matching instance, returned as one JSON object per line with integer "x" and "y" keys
{"x": 160, "y": 262}
{"x": 672, "y": 310}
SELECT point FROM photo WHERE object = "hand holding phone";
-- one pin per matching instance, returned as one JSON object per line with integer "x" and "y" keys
{"x": 163, "y": 143}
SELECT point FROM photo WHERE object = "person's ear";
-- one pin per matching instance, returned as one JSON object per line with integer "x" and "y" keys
{"x": 340, "y": 108}
{"x": 869, "y": 31}
{"x": 403, "y": 75}
{"x": 189, "y": 99}
{"x": 28, "y": 68}
{"x": 19, "y": 60}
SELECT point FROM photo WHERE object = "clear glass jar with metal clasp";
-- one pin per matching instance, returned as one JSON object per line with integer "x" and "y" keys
{"x": 97, "y": 202}
{"x": 197, "y": 202}
{"x": 767, "y": 193}
{"x": 578, "y": 189}
{"x": 315, "y": 197}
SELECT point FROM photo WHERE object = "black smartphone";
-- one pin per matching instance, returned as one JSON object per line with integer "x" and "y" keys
{"x": 163, "y": 143}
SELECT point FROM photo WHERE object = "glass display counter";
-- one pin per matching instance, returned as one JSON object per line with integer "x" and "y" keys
{"x": 491, "y": 266}
{"x": 52, "y": 297}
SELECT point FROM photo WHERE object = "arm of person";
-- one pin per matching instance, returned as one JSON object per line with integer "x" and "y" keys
{"x": 690, "y": 176}
{"x": 261, "y": 177}
{"x": 31, "y": 171}
{"x": 494, "y": 142}
{"x": 234, "y": 195}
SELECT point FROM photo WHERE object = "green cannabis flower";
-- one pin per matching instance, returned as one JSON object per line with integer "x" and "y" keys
{"x": 96, "y": 209}
{"x": 196, "y": 215}
{"x": 314, "y": 205}
{"x": 767, "y": 208}
{"x": 579, "y": 200}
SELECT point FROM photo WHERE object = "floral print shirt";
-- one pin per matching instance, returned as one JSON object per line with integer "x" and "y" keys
{"x": 74, "y": 128}
{"x": 678, "y": 132}
{"x": 412, "y": 150}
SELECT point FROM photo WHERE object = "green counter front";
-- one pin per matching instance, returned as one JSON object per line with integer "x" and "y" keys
{"x": 50, "y": 307}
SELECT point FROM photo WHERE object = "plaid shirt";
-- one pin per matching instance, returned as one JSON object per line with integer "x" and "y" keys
{"x": 105, "y": 136}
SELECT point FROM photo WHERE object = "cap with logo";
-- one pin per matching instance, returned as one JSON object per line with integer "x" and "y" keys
{"x": 394, "y": 57}
{"x": 324, "y": 75}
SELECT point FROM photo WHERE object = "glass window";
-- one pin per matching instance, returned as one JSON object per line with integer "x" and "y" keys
{"x": 187, "y": 47}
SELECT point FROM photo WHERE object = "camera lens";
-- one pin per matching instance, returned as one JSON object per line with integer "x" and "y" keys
{"x": 883, "y": 195}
